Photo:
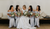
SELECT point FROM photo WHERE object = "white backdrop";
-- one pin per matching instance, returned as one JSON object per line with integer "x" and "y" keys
{"x": 5, "y": 4}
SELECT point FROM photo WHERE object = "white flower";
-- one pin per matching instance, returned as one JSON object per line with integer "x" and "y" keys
{"x": 37, "y": 16}
{"x": 31, "y": 13}
{"x": 25, "y": 12}
{"x": 12, "y": 15}
{"x": 18, "y": 13}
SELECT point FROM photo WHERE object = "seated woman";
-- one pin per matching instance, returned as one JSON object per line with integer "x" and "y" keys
{"x": 30, "y": 10}
{"x": 11, "y": 16}
{"x": 37, "y": 14}
{"x": 16, "y": 16}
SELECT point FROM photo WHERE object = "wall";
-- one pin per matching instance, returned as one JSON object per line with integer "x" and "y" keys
{"x": 5, "y": 4}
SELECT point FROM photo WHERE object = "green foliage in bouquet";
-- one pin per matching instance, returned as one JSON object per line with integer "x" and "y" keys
{"x": 36, "y": 15}
{"x": 25, "y": 13}
{"x": 12, "y": 14}
{"x": 19, "y": 13}
{"x": 30, "y": 13}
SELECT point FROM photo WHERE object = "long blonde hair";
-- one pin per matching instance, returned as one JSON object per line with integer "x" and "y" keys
{"x": 24, "y": 6}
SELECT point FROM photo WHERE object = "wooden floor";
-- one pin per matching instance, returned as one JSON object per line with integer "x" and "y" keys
{"x": 42, "y": 26}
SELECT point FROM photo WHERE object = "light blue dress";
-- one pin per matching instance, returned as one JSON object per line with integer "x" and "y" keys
{"x": 32, "y": 20}
{"x": 37, "y": 19}
{"x": 17, "y": 19}
{"x": 15, "y": 16}
{"x": 11, "y": 20}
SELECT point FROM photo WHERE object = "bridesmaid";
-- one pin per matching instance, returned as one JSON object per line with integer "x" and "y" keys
{"x": 11, "y": 19}
{"x": 37, "y": 18}
{"x": 17, "y": 17}
{"x": 31, "y": 17}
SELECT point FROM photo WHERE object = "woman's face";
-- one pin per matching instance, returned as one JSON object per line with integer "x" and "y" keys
{"x": 29, "y": 7}
{"x": 37, "y": 7}
{"x": 23, "y": 7}
{"x": 12, "y": 8}
{"x": 18, "y": 7}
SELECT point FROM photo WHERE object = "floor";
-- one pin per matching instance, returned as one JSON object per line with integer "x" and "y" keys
{"x": 42, "y": 26}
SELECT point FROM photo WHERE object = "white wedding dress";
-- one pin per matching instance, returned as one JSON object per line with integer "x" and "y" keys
{"x": 24, "y": 23}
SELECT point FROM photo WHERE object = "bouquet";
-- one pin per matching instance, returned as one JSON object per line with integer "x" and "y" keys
{"x": 36, "y": 15}
{"x": 25, "y": 13}
{"x": 12, "y": 14}
{"x": 18, "y": 13}
{"x": 30, "y": 14}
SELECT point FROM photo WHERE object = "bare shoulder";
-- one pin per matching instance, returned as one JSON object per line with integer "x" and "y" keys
{"x": 8, "y": 10}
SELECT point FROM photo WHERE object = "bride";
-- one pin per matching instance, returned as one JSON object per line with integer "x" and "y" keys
{"x": 24, "y": 21}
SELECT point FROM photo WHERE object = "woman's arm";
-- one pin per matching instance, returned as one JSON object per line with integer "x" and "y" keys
{"x": 34, "y": 12}
{"x": 15, "y": 14}
{"x": 21, "y": 11}
{"x": 39, "y": 13}
{"x": 8, "y": 14}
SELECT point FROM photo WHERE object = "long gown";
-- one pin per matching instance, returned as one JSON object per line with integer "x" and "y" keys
{"x": 37, "y": 19}
{"x": 32, "y": 20}
{"x": 11, "y": 20}
{"x": 24, "y": 23}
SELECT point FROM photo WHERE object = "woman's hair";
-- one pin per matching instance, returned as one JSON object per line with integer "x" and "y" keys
{"x": 38, "y": 7}
{"x": 10, "y": 7}
{"x": 17, "y": 7}
{"x": 24, "y": 6}
{"x": 31, "y": 9}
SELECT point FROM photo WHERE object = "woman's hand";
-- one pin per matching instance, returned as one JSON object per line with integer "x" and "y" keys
{"x": 21, "y": 12}
{"x": 17, "y": 16}
{"x": 9, "y": 15}
{"x": 36, "y": 17}
{"x": 31, "y": 16}
{"x": 34, "y": 14}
